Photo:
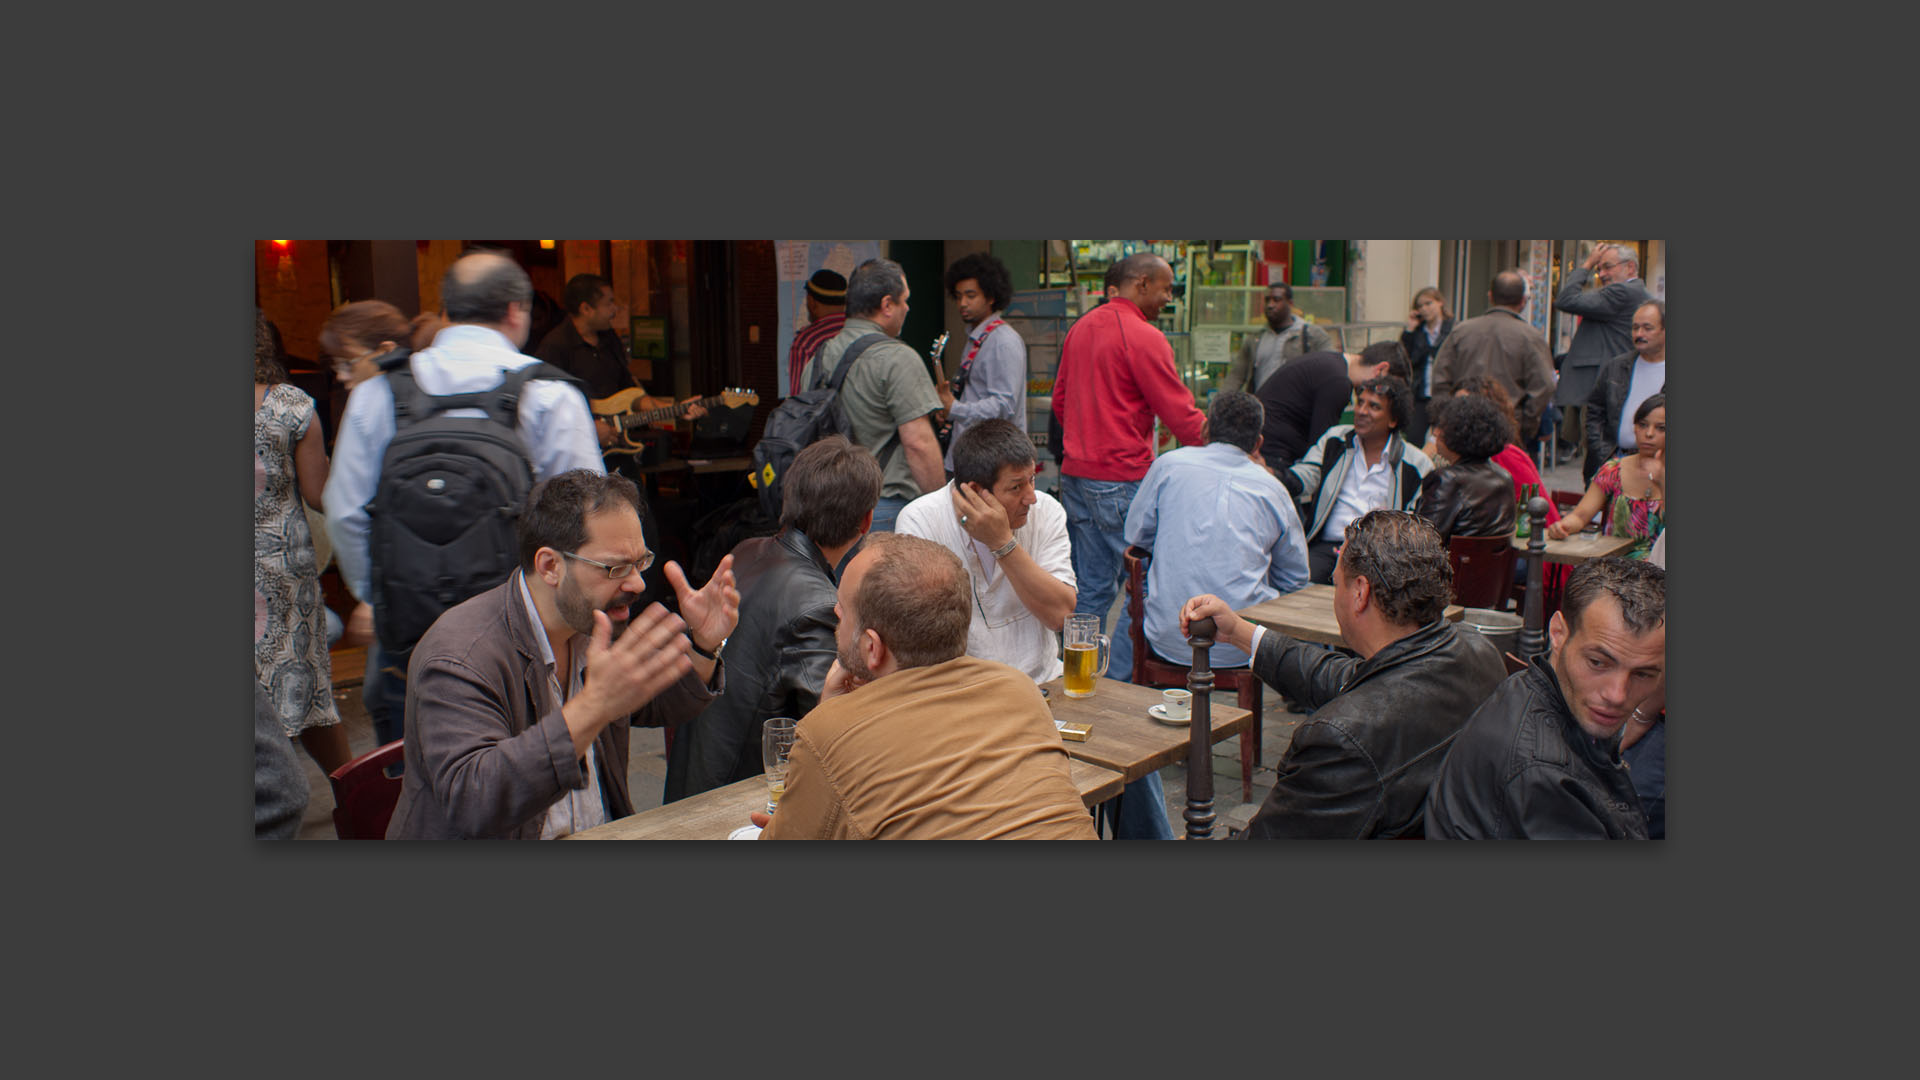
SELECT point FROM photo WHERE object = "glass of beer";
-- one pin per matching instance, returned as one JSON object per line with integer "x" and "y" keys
{"x": 1088, "y": 651}
{"x": 776, "y": 742}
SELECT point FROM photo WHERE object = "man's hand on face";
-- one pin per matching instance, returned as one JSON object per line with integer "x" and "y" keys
{"x": 839, "y": 681}
{"x": 981, "y": 515}
{"x": 711, "y": 612}
{"x": 626, "y": 673}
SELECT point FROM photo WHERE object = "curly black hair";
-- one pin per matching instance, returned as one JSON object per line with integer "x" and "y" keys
{"x": 1473, "y": 427}
{"x": 1396, "y": 393}
{"x": 990, "y": 272}
{"x": 1403, "y": 559}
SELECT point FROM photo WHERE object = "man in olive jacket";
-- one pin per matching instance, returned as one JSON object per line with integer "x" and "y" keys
{"x": 1360, "y": 766}
{"x": 1541, "y": 758}
{"x": 778, "y": 659}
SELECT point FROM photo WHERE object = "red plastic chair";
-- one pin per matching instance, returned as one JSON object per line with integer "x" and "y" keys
{"x": 364, "y": 795}
{"x": 1149, "y": 670}
{"x": 1482, "y": 570}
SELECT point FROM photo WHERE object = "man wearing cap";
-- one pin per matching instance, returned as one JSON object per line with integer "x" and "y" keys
{"x": 826, "y": 314}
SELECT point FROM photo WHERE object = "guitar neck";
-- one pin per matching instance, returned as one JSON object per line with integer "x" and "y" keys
{"x": 670, "y": 412}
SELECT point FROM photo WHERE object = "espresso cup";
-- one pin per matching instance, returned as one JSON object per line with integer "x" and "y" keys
{"x": 1178, "y": 704}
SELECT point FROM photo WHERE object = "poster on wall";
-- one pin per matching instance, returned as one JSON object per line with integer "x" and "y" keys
{"x": 796, "y": 261}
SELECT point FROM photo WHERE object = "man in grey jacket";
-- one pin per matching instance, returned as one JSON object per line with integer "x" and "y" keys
{"x": 519, "y": 700}
{"x": 1606, "y": 318}
{"x": 1286, "y": 337}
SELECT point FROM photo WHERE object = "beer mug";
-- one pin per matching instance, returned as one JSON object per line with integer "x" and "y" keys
{"x": 1088, "y": 651}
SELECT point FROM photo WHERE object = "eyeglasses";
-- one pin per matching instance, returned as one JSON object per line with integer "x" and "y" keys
{"x": 617, "y": 570}
{"x": 1609, "y": 266}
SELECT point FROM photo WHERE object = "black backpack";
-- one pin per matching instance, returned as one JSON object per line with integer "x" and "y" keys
{"x": 801, "y": 420}
{"x": 450, "y": 490}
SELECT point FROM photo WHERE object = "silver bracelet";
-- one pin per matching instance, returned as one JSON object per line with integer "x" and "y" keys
{"x": 1005, "y": 550}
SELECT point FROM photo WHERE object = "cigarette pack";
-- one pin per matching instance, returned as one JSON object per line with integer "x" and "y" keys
{"x": 1074, "y": 732}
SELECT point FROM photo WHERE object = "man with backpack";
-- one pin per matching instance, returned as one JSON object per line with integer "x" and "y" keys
{"x": 397, "y": 547}
{"x": 886, "y": 393}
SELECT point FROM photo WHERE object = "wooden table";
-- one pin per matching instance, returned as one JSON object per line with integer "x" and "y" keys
{"x": 702, "y": 466}
{"x": 1578, "y": 549}
{"x": 711, "y": 815}
{"x": 1125, "y": 739}
{"x": 1307, "y": 614}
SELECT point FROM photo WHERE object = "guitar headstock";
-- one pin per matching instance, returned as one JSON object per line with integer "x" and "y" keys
{"x": 733, "y": 397}
{"x": 939, "y": 347}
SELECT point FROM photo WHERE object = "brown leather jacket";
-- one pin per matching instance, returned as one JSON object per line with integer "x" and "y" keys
{"x": 1468, "y": 499}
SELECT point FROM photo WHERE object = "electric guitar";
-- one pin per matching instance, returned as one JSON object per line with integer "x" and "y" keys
{"x": 942, "y": 424}
{"x": 632, "y": 410}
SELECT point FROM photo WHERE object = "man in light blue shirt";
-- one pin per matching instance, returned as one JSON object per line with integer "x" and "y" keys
{"x": 992, "y": 378}
{"x": 1219, "y": 523}
{"x": 489, "y": 299}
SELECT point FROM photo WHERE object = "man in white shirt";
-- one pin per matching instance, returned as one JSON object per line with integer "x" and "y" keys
{"x": 1353, "y": 468}
{"x": 1624, "y": 382}
{"x": 1013, "y": 541}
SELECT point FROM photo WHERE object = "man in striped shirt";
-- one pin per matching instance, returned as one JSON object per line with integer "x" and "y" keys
{"x": 826, "y": 314}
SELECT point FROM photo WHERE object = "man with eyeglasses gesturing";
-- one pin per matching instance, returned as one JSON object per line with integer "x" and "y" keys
{"x": 520, "y": 700}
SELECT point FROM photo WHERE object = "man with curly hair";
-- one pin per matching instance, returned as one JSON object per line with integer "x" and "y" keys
{"x": 992, "y": 379}
{"x": 1360, "y": 766}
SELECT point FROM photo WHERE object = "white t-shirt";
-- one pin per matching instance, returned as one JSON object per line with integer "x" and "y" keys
{"x": 1648, "y": 380}
{"x": 1002, "y": 628}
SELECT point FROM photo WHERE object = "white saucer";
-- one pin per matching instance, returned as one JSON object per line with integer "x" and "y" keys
{"x": 1159, "y": 712}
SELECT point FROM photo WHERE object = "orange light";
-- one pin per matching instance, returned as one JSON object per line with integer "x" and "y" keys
{"x": 282, "y": 244}
{"x": 546, "y": 245}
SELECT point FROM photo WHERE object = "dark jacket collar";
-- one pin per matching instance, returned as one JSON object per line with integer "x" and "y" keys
{"x": 1547, "y": 685}
{"x": 801, "y": 546}
{"x": 1425, "y": 641}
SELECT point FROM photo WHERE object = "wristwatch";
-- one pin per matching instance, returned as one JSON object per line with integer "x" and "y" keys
{"x": 1006, "y": 549}
{"x": 715, "y": 654}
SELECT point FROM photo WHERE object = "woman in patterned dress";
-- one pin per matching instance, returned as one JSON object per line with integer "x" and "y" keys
{"x": 1632, "y": 488}
{"x": 290, "y": 658}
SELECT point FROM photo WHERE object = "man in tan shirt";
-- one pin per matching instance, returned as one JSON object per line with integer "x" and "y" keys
{"x": 913, "y": 739}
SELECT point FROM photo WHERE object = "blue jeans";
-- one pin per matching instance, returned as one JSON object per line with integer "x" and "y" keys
{"x": 885, "y": 512}
{"x": 385, "y": 695}
{"x": 1140, "y": 811}
{"x": 1096, "y": 524}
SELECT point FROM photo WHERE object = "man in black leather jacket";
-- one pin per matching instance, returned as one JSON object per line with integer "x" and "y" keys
{"x": 1360, "y": 766}
{"x": 778, "y": 656}
{"x": 1541, "y": 759}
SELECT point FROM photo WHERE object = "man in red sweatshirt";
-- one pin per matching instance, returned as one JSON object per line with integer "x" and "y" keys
{"x": 1116, "y": 374}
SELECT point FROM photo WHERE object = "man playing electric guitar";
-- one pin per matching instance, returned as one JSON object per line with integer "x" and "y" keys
{"x": 587, "y": 347}
{"x": 992, "y": 381}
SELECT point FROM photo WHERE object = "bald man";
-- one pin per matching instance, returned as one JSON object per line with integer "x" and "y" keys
{"x": 1502, "y": 345}
{"x": 488, "y": 301}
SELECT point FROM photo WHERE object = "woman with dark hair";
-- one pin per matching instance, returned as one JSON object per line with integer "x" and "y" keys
{"x": 1511, "y": 457}
{"x": 1471, "y": 496}
{"x": 290, "y": 661}
{"x": 1428, "y": 324}
{"x": 1632, "y": 489}
{"x": 357, "y": 335}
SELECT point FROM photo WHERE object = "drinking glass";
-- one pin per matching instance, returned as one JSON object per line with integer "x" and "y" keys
{"x": 1087, "y": 653}
{"x": 776, "y": 742}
